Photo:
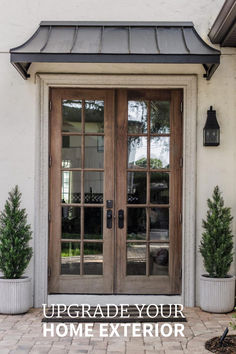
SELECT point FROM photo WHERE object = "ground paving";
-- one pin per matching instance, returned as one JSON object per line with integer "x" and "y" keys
{"x": 24, "y": 334}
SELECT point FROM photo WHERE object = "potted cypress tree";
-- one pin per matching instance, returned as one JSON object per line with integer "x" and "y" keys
{"x": 15, "y": 254}
{"x": 217, "y": 288}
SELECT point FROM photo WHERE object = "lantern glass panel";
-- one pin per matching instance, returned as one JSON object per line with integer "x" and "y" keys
{"x": 211, "y": 137}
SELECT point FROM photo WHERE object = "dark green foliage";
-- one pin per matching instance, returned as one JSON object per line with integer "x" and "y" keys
{"x": 233, "y": 322}
{"x": 217, "y": 239}
{"x": 155, "y": 163}
{"x": 15, "y": 234}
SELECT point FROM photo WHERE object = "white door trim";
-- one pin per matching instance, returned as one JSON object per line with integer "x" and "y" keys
{"x": 189, "y": 85}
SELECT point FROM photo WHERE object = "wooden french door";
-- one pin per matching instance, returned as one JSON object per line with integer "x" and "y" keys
{"x": 81, "y": 181}
{"x": 148, "y": 182}
{"x": 115, "y": 191}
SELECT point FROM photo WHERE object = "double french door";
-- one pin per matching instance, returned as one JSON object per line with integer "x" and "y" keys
{"x": 115, "y": 191}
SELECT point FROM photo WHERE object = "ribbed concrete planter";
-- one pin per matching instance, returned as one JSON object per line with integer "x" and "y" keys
{"x": 15, "y": 295}
{"x": 217, "y": 294}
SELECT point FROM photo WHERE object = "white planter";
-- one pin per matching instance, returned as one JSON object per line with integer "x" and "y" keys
{"x": 15, "y": 295}
{"x": 217, "y": 294}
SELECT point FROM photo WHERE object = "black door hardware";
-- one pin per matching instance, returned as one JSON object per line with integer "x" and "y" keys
{"x": 121, "y": 219}
{"x": 109, "y": 219}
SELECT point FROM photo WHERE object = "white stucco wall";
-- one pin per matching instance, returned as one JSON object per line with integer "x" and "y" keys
{"x": 217, "y": 165}
{"x": 18, "y": 21}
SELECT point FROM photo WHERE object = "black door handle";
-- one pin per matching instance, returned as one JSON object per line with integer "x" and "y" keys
{"x": 109, "y": 219}
{"x": 121, "y": 219}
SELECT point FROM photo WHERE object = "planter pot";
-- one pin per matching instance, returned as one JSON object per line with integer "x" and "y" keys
{"x": 15, "y": 295}
{"x": 217, "y": 294}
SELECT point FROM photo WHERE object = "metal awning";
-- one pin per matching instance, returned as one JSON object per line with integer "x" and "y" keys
{"x": 115, "y": 42}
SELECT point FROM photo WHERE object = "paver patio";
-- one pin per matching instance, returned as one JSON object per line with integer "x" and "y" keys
{"x": 23, "y": 334}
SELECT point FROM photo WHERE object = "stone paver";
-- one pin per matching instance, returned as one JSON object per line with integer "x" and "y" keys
{"x": 23, "y": 334}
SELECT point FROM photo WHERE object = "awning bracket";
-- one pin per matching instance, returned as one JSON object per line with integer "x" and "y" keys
{"x": 209, "y": 70}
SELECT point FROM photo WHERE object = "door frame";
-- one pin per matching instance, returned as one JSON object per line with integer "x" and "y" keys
{"x": 189, "y": 85}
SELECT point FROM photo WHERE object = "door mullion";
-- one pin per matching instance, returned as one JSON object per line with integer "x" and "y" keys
{"x": 148, "y": 188}
{"x": 121, "y": 181}
{"x": 109, "y": 181}
{"x": 82, "y": 191}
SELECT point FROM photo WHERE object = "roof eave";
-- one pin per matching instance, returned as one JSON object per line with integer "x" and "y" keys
{"x": 223, "y": 23}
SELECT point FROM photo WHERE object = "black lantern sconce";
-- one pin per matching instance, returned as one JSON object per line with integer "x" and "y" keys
{"x": 211, "y": 131}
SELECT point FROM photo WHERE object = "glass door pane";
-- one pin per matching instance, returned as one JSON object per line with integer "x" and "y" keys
{"x": 80, "y": 152}
{"x": 149, "y": 151}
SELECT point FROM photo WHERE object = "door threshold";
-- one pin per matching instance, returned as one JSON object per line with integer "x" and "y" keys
{"x": 94, "y": 300}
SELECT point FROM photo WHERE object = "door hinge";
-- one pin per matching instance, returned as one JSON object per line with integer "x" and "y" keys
{"x": 181, "y": 162}
{"x": 49, "y": 271}
{"x": 50, "y": 105}
{"x": 180, "y": 218}
{"x": 181, "y": 106}
{"x": 49, "y": 216}
{"x": 180, "y": 273}
{"x": 50, "y": 161}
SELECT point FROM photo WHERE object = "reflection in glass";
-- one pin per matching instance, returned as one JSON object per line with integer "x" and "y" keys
{"x": 93, "y": 187}
{"x": 160, "y": 117}
{"x": 94, "y": 151}
{"x": 159, "y": 259}
{"x": 160, "y": 149}
{"x": 136, "y": 259}
{"x": 71, "y": 151}
{"x": 71, "y": 187}
{"x": 136, "y": 223}
{"x": 94, "y": 116}
{"x": 137, "y": 117}
{"x": 137, "y": 186}
{"x": 70, "y": 222}
{"x": 159, "y": 224}
{"x": 70, "y": 258}
{"x": 93, "y": 258}
{"x": 159, "y": 187}
{"x": 93, "y": 223}
{"x": 71, "y": 115}
{"x": 137, "y": 152}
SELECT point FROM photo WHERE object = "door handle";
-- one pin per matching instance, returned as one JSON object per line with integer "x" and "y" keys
{"x": 109, "y": 219}
{"x": 121, "y": 219}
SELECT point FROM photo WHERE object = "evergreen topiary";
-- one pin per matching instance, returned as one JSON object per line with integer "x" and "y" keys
{"x": 217, "y": 240}
{"x": 15, "y": 234}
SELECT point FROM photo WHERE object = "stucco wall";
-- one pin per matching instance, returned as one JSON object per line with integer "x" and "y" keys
{"x": 217, "y": 165}
{"x": 19, "y": 19}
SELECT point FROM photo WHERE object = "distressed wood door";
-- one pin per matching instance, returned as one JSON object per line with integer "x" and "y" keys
{"x": 81, "y": 243}
{"x": 148, "y": 191}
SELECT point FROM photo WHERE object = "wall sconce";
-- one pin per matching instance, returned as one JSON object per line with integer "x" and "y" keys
{"x": 211, "y": 131}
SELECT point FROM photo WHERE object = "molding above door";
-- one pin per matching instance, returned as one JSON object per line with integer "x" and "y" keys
{"x": 189, "y": 85}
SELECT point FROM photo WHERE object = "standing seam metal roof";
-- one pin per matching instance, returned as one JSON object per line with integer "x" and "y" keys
{"x": 115, "y": 42}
